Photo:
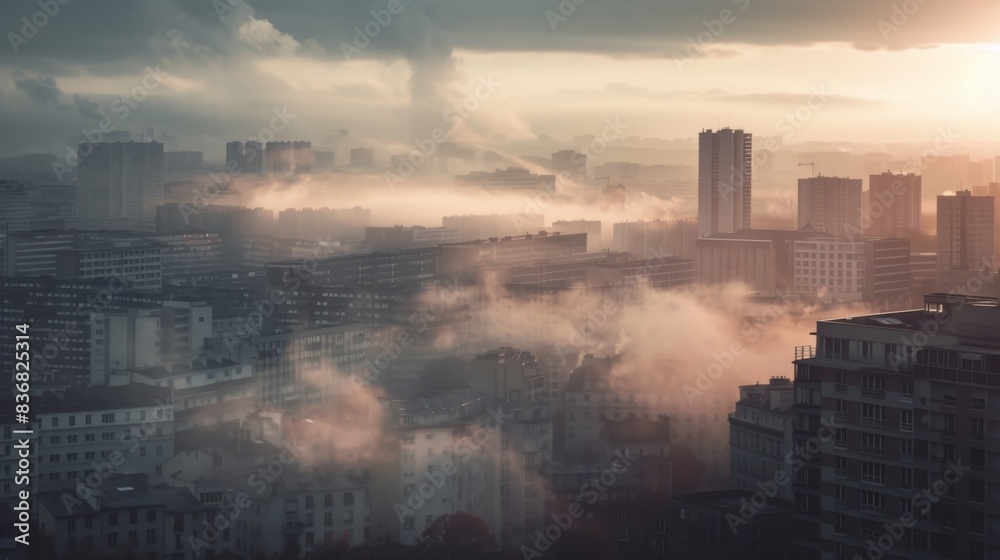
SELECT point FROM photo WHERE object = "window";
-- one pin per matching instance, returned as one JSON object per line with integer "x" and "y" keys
{"x": 873, "y": 473}
{"x": 841, "y": 409}
{"x": 348, "y": 516}
{"x": 328, "y": 500}
{"x": 906, "y": 448}
{"x": 150, "y": 536}
{"x": 310, "y": 504}
{"x": 977, "y": 428}
{"x": 841, "y": 439}
{"x": 623, "y": 534}
{"x": 112, "y": 538}
{"x": 872, "y": 443}
{"x": 906, "y": 391}
{"x": 872, "y": 415}
{"x": 841, "y": 494}
{"x": 841, "y": 468}
{"x": 949, "y": 424}
{"x": 906, "y": 420}
{"x": 872, "y": 383}
{"x": 871, "y": 501}
{"x": 108, "y": 417}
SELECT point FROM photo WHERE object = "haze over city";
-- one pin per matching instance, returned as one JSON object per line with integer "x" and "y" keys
{"x": 400, "y": 279}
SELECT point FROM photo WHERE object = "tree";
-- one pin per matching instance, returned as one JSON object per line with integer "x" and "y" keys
{"x": 458, "y": 536}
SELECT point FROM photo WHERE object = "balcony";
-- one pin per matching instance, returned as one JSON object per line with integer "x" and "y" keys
{"x": 805, "y": 352}
{"x": 873, "y": 394}
{"x": 873, "y": 450}
{"x": 840, "y": 388}
{"x": 875, "y": 422}
{"x": 906, "y": 427}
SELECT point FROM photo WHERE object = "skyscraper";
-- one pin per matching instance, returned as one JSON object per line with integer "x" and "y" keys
{"x": 831, "y": 204}
{"x": 253, "y": 158}
{"x": 119, "y": 181}
{"x": 724, "y": 181}
{"x": 965, "y": 240}
{"x": 893, "y": 205}
{"x": 234, "y": 155}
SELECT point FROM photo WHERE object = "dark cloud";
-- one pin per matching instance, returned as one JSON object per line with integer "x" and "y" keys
{"x": 87, "y": 109}
{"x": 40, "y": 89}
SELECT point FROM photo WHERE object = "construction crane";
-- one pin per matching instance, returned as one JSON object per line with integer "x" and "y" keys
{"x": 812, "y": 165}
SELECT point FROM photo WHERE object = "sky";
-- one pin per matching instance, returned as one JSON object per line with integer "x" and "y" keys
{"x": 208, "y": 71}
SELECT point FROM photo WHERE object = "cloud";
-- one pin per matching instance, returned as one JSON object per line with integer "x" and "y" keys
{"x": 40, "y": 89}
{"x": 87, "y": 109}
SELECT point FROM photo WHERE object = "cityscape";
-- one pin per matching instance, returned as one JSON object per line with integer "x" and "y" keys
{"x": 422, "y": 279}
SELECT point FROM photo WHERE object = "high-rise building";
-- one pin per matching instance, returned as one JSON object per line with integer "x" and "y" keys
{"x": 895, "y": 455}
{"x": 724, "y": 181}
{"x": 253, "y": 157}
{"x": 14, "y": 208}
{"x": 893, "y": 208}
{"x": 831, "y": 204}
{"x": 119, "y": 182}
{"x": 965, "y": 240}
{"x": 570, "y": 163}
{"x": 235, "y": 154}
{"x": 289, "y": 157}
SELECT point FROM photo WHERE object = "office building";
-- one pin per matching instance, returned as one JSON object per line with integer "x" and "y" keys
{"x": 724, "y": 181}
{"x": 187, "y": 162}
{"x": 119, "y": 182}
{"x": 907, "y": 413}
{"x": 831, "y": 204}
{"x": 965, "y": 229}
{"x": 235, "y": 158}
{"x": 894, "y": 204}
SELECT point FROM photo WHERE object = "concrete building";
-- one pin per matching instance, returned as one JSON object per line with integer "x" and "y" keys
{"x": 60, "y": 312}
{"x": 831, "y": 204}
{"x": 204, "y": 391}
{"x": 724, "y": 181}
{"x": 119, "y": 182}
{"x": 135, "y": 263}
{"x": 894, "y": 202}
{"x": 657, "y": 238}
{"x": 398, "y": 237}
{"x": 591, "y": 227}
{"x": 508, "y": 373}
{"x": 298, "y": 368}
{"x": 471, "y": 226}
{"x": 461, "y": 260}
{"x": 965, "y": 230}
{"x": 127, "y": 517}
{"x": 905, "y": 413}
{"x": 327, "y": 224}
{"x": 235, "y": 157}
{"x": 79, "y": 431}
{"x": 875, "y": 271}
{"x": 512, "y": 178}
{"x": 760, "y": 436}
